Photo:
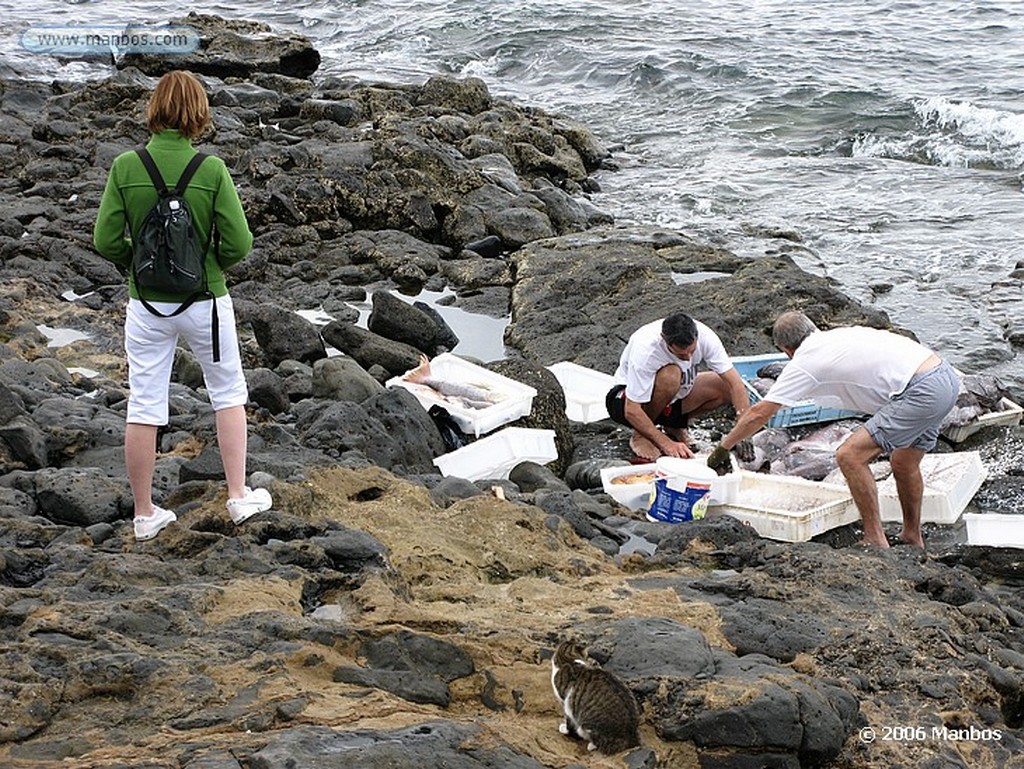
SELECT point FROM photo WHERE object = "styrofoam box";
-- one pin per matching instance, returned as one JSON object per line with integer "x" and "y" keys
{"x": 1009, "y": 415}
{"x": 494, "y": 456}
{"x": 789, "y": 509}
{"x": 995, "y": 529}
{"x": 803, "y": 413}
{"x": 518, "y": 400}
{"x": 950, "y": 482}
{"x": 585, "y": 390}
{"x": 635, "y": 496}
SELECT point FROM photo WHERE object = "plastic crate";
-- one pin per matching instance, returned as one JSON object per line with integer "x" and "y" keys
{"x": 1009, "y": 415}
{"x": 995, "y": 529}
{"x": 635, "y": 496}
{"x": 788, "y": 509}
{"x": 803, "y": 413}
{"x": 517, "y": 400}
{"x": 495, "y": 456}
{"x": 950, "y": 482}
{"x": 585, "y": 390}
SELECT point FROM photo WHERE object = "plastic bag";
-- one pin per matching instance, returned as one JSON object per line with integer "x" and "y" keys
{"x": 452, "y": 436}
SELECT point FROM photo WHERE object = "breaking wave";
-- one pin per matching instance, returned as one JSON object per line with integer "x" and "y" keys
{"x": 953, "y": 134}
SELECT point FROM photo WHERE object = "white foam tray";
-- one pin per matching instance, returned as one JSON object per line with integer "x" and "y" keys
{"x": 495, "y": 456}
{"x": 950, "y": 482}
{"x": 635, "y": 496}
{"x": 1010, "y": 415}
{"x": 517, "y": 401}
{"x": 995, "y": 529}
{"x": 585, "y": 390}
{"x": 788, "y": 509}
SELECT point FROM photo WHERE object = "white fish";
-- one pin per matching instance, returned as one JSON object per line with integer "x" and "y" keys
{"x": 474, "y": 396}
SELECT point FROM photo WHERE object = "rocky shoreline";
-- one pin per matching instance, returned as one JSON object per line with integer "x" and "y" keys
{"x": 381, "y": 611}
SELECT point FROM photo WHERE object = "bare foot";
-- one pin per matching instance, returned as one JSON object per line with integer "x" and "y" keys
{"x": 644, "y": 447}
{"x": 906, "y": 539}
{"x": 884, "y": 544}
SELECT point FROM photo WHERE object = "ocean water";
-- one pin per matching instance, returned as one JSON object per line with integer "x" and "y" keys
{"x": 880, "y": 143}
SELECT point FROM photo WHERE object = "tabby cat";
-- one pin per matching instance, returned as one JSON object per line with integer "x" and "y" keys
{"x": 598, "y": 707}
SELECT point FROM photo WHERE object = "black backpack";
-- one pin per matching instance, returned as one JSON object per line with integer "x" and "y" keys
{"x": 166, "y": 255}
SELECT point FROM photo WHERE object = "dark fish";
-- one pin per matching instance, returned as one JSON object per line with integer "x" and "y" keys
{"x": 772, "y": 370}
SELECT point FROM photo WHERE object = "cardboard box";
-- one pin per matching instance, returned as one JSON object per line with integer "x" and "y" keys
{"x": 516, "y": 398}
{"x": 585, "y": 390}
{"x": 1010, "y": 415}
{"x": 804, "y": 413}
{"x": 495, "y": 456}
{"x": 788, "y": 509}
{"x": 995, "y": 529}
{"x": 950, "y": 482}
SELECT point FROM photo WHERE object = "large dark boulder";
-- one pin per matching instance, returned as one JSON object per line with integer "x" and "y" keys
{"x": 579, "y": 298}
{"x": 233, "y": 48}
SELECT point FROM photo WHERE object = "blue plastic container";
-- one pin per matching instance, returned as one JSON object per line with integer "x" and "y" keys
{"x": 791, "y": 416}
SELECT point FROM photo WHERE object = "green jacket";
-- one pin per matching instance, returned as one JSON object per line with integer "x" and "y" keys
{"x": 129, "y": 196}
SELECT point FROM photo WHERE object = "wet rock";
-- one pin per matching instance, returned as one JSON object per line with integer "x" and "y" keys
{"x": 267, "y": 390}
{"x": 369, "y": 349}
{"x": 76, "y": 496}
{"x": 233, "y": 48}
{"x": 391, "y": 429}
{"x": 469, "y": 96}
{"x": 547, "y": 411}
{"x": 427, "y": 744}
{"x": 410, "y": 324}
{"x": 343, "y": 379}
{"x": 283, "y": 335}
{"x": 556, "y": 316}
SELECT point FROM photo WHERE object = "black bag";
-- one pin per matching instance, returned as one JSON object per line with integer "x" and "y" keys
{"x": 166, "y": 255}
{"x": 452, "y": 436}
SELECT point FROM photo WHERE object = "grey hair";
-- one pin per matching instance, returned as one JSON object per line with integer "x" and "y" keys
{"x": 791, "y": 329}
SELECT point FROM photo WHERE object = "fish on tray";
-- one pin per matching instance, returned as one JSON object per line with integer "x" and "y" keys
{"x": 474, "y": 396}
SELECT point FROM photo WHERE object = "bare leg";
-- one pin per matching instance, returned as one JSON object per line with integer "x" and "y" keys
{"x": 232, "y": 437}
{"x": 709, "y": 392}
{"x": 853, "y": 458}
{"x": 906, "y": 470}
{"x": 666, "y": 386}
{"x": 140, "y": 461}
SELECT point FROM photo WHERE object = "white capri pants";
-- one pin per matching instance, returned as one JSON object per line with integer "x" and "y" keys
{"x": 150, "y": 341}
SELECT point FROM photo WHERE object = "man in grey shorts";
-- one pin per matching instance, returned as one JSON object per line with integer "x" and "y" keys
{"x": 906, "y": 388}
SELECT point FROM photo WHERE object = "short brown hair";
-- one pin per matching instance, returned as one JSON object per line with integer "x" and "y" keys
{"x": 179, "y": 101}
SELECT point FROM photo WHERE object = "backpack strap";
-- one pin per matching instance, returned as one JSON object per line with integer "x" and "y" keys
{"x": 152, "y": 170}
{"x": 157, "y": 178}
{"x": 189, "y": 172}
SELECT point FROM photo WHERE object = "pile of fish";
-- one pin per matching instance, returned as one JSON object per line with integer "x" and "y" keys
{"x": 979, "y": 394}
{"x": 804, "y": 452}
{"x": 766, "y": 376}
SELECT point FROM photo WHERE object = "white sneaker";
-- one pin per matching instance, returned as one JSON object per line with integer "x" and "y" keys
{"x": 147, "y": 528}
{"x": 254, "y": 501}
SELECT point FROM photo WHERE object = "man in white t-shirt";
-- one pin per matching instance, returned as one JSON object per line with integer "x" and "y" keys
{"x": 657, "y": 384}
{"x": 906, "y": 388}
